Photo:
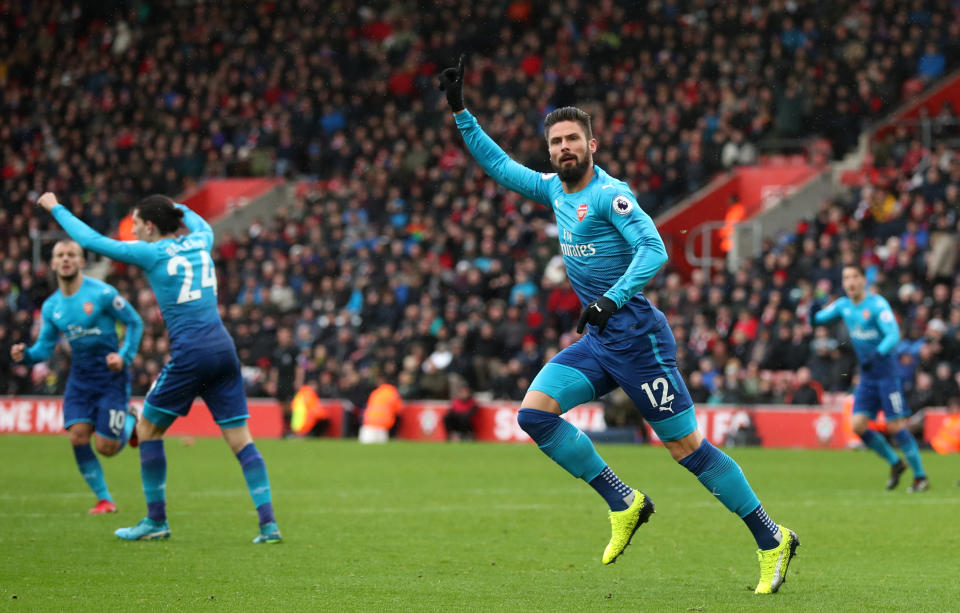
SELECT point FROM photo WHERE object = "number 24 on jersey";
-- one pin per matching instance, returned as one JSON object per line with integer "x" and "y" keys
{"x": 208, "y": 278}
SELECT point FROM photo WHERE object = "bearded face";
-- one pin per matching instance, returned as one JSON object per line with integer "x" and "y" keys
{"x": 571, "y": 168}
{"x": 571, "y": 154}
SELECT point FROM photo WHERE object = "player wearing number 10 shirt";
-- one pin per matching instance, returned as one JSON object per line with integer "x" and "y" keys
{"x": 203, "y": 358}
{"x": 96, "y": 401}
{"x": 611, "y": 249}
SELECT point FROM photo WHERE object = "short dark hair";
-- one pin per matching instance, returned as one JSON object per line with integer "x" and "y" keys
{"x": 856, "y": 267}
{"x": 159, "y": 210}
{"x": 568, "y": 113}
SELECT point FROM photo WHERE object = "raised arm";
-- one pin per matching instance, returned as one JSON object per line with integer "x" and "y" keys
{"x": 131, "y": 252}
{"x": 197, "y": 225}
{"x": 496, "y": 163}
{"x": 827, "y": 314}
{"x": 489, "y": 155}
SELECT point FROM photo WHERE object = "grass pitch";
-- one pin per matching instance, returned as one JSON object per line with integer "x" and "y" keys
{"x": 467, "y": 527}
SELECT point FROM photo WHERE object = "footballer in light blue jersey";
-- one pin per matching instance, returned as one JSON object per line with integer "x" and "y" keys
{"x": 85, "y": 312}
{"x": 203, "y": 358}
{"x": 874, "y": 333}
{"x": 611, "y": 249}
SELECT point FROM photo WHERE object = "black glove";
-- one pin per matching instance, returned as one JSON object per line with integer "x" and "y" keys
{"x": 812, "y": 312}
{"x": 597, "y": 313}
{"x": 868, "y": 357}
{"x": 451, "y": 82}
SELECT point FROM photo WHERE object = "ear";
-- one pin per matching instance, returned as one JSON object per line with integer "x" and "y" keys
{"x": 592, "y": 145}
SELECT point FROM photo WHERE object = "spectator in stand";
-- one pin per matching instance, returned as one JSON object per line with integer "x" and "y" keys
{"x": 806, "y": 391}
{"x": 699, "y": 392}
{"x": 944, "y": 384}
{"x": 458, "y": 420}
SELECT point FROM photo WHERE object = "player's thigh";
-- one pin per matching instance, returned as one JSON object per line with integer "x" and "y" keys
{"x": 80, "y": 401}
{"x": 890, "y": 395}
{"x": 866, "y": 401}
{"x": 648, "y": 374}
{"x": 112, "y": 407}
{"x": 572, "y": 377}
{"x": 223, "y": 390}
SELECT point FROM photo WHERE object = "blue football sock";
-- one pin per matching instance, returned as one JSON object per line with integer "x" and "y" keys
{"x": 563, "y": 442}
{"x": 255, "y": 472}
{"x": 908, "y": 445}
{"x": 878, "y": 442}
{"x": 722, "y": 476}
{"x": 153, "y": 472}
{"x": 765, "y": 531}
{"x": 618, "y": 494}
{"x": 91, "y": 470}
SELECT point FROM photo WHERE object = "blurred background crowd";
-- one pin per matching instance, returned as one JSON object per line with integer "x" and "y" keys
{"x": 397, "y": 257}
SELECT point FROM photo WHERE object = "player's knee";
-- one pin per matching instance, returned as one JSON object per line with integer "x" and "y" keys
{"x": 540, "y": 401}
{"x": 895, "y": 425}
{"x": 106, "y": 447}
{"x": 148, "y": 431}
{"x": 859, "y": 424}
{"x": 683, "y": 447}
{"x": 79, "y": 437}
{"x": 538, "y": 424}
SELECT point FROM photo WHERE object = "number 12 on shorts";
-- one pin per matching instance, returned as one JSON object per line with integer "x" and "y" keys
{"x": 666, "y": 398}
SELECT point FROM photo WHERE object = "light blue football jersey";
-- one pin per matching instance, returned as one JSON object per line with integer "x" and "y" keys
{"x": 87, "y": 320}
{"x": 180, "y": 271}
{"x": 873, "y": 330}
{"x": 610, "y": 246}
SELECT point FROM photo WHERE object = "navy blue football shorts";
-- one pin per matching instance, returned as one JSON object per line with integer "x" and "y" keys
{"x": 213, "y": 375}
{"x": 874, "y": 395}
{"x": 645, "y": 368}
{"x": 101, "y": 400}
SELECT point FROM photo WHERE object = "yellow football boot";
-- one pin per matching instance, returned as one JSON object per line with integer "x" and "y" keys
{"x": 624, "y": 523}
{"x": 774, "y": 562}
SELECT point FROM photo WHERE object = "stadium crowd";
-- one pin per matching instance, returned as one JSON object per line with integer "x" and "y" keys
{"x": 399, "y": 257}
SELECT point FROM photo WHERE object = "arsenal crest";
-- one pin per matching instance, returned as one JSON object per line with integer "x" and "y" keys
{"x": 866, "y": 314}
{"x": 581, "y": 211}
{"x": 88, "y": 308}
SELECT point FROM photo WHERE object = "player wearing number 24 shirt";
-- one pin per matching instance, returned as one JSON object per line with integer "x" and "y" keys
{"x": 203, "y": 358}
{"x": 611, "y": 249}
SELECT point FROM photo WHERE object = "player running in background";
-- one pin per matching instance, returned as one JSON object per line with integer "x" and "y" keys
{"x": 97, "y": 397}
{"x": 874, "y": 333}
{"x": 203, "y": 358}
{"x": 611, "y": 249}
